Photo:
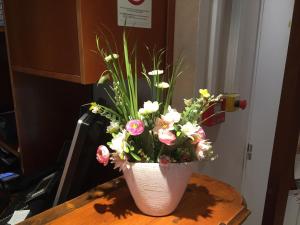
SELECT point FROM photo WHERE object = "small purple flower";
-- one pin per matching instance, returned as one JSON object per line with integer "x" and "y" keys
{"x": 135, "y": 127}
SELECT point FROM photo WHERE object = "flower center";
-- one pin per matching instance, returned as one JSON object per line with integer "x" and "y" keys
{"x": 134, "y": 126}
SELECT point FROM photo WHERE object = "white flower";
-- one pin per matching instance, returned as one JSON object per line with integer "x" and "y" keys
{"x": 188, "y": 102}
{"x": 189, "y": 129}
{"x": 200, "y": 154}
{"x": 95, "y": 109}
{"x": 155, "y": 72}
{"x": 162, "y": 85}
{"x": 201, "y": 148}
{"x": 110, "y": 57}
{"x": 161, "y": 124}
{"x": 149, "y": 107}
{"x": 103, "y": 78}
{"x": 204, "y": 145}
{"x": 118, "y": 143}
{"x": 172, "y": 116}
{"x": 122, "y": 164}
{"x": 113, "y": 127}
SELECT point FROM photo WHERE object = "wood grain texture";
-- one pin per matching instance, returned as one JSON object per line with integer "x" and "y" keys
{"x": 43, "y": 35}
{"x": 6, "y": 99}
{"x": 9, "y": 147}
{"x": 100, "y": 18}
{"x": 170, "y": 32}
{"x": 59, "y": 40}
{"x": 60, "y": 76}
{"x": 42, "y": 41}
{"x": 206, "y": 201}
{"x": 47, "y": 112}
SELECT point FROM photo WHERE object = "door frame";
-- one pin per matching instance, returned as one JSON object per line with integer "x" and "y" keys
{"x": 281, "y": 177}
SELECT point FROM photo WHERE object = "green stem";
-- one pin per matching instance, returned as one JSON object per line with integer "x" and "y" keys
{"x": 159, "y": 152}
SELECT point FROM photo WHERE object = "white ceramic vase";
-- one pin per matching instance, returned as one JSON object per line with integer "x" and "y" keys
{"x": 158, "y": 189}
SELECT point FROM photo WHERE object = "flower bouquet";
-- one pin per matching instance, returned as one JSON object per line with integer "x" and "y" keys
{"x": 155, "y": 137}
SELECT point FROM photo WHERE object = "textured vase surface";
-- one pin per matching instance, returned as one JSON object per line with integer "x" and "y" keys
{"x": 158, "y": 189}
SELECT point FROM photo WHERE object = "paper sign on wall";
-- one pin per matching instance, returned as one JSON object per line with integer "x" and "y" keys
{"x": 135, "y": 13}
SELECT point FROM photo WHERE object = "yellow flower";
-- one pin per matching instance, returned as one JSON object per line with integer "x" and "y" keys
{"x": 94, "y": 107}
{"x": 204, "y": 93}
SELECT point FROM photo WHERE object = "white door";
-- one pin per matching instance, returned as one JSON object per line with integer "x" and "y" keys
{"x": 237, "y": 46}
{"x": 272, "y": 45}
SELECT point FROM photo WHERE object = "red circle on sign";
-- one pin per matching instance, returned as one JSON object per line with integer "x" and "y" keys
{"x": 136, "y": 2}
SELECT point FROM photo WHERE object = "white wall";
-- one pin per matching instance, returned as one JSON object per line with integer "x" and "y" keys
{"x": 186, "y": 43}
{"x": 230, "y": 137}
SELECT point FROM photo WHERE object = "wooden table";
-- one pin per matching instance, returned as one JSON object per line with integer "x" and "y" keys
{"x": 206, "y": 201}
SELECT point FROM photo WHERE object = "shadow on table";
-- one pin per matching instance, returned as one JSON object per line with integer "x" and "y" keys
{"x": 197, "y": 201}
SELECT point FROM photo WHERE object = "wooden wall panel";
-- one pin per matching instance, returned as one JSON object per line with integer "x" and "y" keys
{"x": 100, "y": 18}
{"x": 47, "y": 115}
{"x": 57, "y": 40}
{"x": 6, "y": 101}
{"x": 43, "y": 37}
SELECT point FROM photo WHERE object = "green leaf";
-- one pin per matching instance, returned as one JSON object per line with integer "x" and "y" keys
{"x": 178, "y": 133}
{"x": 135, "y": 156}
{"x": 144, "y": 73}
{"x": 97, "y": 43}
{"x": 126, "y": 150}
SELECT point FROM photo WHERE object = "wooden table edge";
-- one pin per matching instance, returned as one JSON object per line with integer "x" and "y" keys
{"x": 75, "y": 203}
{"x": 240, "y": 217}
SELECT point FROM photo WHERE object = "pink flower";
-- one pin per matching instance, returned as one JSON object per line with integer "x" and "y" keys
{"x": 161, "y": 124}
{"x": 164, "y": 160}
{"x": 198, "y": 136}
{"x": 166, "y": 137}
{"x": 135, "y": 127}
{"x": 102, "y": 155}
